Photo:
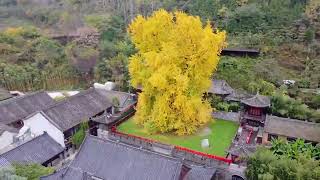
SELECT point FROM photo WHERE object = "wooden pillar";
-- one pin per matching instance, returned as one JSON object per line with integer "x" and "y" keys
{"x": 265, "y": 138}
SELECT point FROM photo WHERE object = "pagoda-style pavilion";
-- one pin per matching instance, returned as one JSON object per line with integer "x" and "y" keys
{"x": 254, "y": 110}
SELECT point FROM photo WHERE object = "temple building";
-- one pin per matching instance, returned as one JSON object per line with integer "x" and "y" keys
{"x": 254, "y": 110}
{"x": 252, "y": 118}
{"x": 94, "y": 106}
{"x": 62, "y": 119}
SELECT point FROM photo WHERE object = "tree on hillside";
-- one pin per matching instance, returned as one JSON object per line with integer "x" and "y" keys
{"x": 176, "y": 57}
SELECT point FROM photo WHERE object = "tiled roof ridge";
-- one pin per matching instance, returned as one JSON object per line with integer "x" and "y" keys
{"x": 116, "y": 92}
{"x": 117, "y": 143}
{"x": 81, "y": 93}
{"x": 21, "y": 97}
{"x": 292, "y": 120}
{"x": 34, "y": 138}
{"x": 131, "y": 146}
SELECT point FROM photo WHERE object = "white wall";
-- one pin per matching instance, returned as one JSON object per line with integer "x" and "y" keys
{"x": 38, "y": 124}
{"x": 6, "y": 139}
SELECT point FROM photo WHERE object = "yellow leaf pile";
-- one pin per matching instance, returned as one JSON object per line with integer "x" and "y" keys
{"x": 176, "y": 57}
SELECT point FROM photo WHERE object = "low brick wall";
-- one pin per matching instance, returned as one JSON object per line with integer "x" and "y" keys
{"x": 225, "y": 169}
{"x": 228, "y": 116}
{"x": 174, "y": 151}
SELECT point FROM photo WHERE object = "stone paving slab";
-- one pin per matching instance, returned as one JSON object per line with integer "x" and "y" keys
{"x": 229, "y": 116}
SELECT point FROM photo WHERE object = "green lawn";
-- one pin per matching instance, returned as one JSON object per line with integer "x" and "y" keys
{"x": 220, "y": 138}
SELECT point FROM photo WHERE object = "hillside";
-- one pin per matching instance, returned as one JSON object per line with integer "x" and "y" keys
{"x": 55, "y": 44}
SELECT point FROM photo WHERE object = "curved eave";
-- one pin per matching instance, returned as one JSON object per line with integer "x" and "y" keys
{"x": 256, "y": 105}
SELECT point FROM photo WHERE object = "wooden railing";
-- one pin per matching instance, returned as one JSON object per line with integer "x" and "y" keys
{"x": 246, "y": 115}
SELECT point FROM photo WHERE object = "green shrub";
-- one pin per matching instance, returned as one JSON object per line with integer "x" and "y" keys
{"x": 285, "y": 106}
{"x": 295, "y": 149}
{"x": 261, "y": 86}
{"x": 32, "y": 171}
{"x": 248, "y": 18}
{"x": 234, "y": 107}
{"x": 214, "y": 100}
{"x": 222, "y": 106}
{"x": 263, "y": 164}
{"x": 309, "y": 35}
{"x": 315, "y": 102}
{"x": 315, "y": 117}
{"x": 79, "y": 136}
{"x": 303, "y": 83}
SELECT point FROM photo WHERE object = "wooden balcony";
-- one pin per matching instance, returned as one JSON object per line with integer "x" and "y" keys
{"x": 246, "y": 115}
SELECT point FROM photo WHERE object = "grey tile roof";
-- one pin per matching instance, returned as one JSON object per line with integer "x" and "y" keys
{"x": 17, "y": 108}
{"x": 4, "y": 94}
{"x": 4, "y": 163}
{"x": 220, "y": 87}
{"x": 124, "y": 98}
{"x": 110, "y": 160}
{"x": 38, "y": 150}
{"x": 199, "y": 173}
{"x": 243, "y": 150}
{"x": 107, "y": 159}
{"x": 4, "y": 128}
{"x": 76, "y": 109}
{"x": 237, "y": 95}
{"x": 257, "y": 101}
{"x": 293, "y": 128}
{"x": 240, "y": 147}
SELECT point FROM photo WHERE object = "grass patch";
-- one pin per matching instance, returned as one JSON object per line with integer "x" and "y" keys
{"x": 222, "y": 133}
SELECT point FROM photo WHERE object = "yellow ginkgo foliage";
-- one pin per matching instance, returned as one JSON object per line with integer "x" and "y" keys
{"x": 14, "y": 31}
{"x": 176, "y": 57}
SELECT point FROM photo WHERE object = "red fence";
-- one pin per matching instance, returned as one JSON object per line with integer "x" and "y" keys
{"x": 114, "y": 130}
{"x": 219, "y": 158}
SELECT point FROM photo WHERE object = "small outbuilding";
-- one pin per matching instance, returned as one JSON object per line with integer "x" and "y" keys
{"x": 41, "y": 150}
{"x": 220, "y": 88}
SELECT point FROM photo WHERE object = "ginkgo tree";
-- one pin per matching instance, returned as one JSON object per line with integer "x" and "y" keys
{"x": 176, "y": 57}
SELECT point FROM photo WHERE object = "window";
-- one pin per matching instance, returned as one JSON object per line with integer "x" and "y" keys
{"x": 259, "y": 140}
{"x": 272, "y": 136}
